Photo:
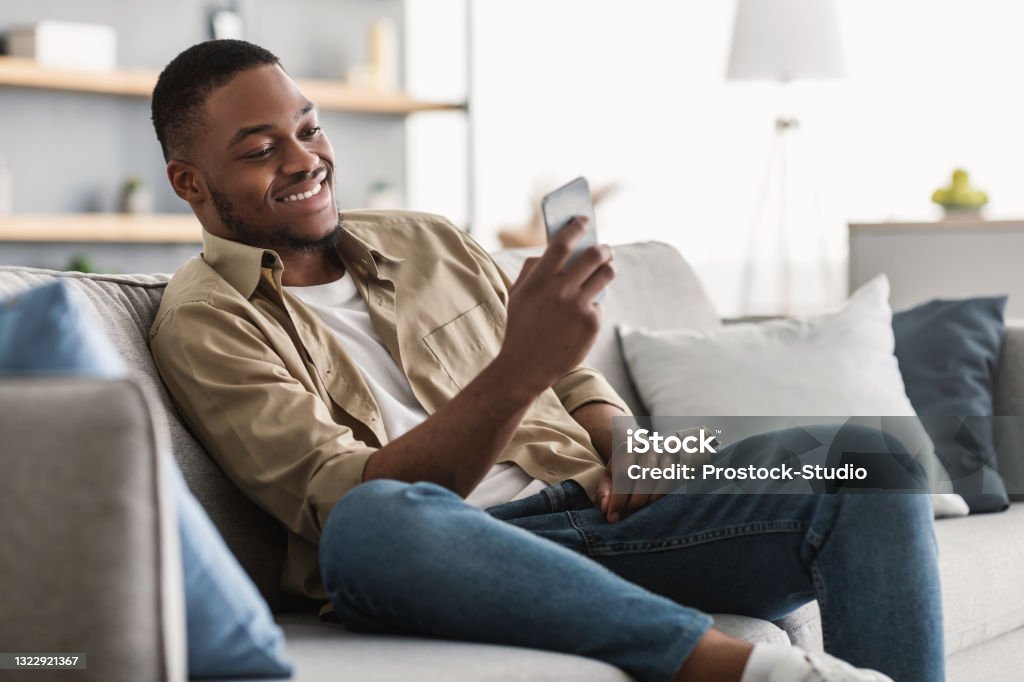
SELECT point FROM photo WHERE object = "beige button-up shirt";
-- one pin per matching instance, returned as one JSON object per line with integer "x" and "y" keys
{"x": 270, "y": 392}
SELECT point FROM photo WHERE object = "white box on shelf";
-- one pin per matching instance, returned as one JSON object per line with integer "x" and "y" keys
{"x": 66, "y": 45}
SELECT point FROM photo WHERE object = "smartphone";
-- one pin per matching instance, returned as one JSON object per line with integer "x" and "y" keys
{"x": 565, "y": 203}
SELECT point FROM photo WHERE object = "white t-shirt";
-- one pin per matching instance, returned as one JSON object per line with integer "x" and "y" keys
{"x": 339, "y": 305}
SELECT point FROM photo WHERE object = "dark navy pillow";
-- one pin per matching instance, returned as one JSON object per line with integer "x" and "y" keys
{"x": 948, "y": 353}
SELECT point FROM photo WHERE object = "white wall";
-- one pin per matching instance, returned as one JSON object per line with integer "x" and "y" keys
{"x": 635, "y": 92}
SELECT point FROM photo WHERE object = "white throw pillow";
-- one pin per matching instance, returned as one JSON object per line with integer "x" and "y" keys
{"x": 835, "y": 364}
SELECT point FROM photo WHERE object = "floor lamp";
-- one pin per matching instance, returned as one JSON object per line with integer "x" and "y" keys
{"x": 782, "y": 41}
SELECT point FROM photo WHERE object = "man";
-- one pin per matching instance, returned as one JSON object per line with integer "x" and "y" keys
{"x": 424, "y": 429}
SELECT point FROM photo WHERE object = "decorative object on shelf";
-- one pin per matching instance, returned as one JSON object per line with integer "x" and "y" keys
{"x": 383, "y": 195}
{"x": 226, "y": 23}
{"x": 381, "y": 70}
{"x": 6, "y": 189}
{"x": 533, "y": 232}
{"x": 83, "y": 263}
{"x": 63, "y": 44}
{"x": 783, "y": 40}
{"x": 135, "y": 197}
{"x": 959, "y": 198}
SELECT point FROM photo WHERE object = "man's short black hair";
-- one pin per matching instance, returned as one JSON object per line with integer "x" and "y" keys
{"x": 186, "y": 82}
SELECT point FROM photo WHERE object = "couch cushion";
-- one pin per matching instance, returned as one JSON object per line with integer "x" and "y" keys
{"x": 982, "y": 572}
{"x": 323, "y": 652}
{"x": 654, "y": 288}
{"x": 50, "y": 331}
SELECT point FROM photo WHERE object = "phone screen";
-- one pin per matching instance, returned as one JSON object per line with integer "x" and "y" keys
{"x": 566, "y": 202}
{"x": 562, "y": 205}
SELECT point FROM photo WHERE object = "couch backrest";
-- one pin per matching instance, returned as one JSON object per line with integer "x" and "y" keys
{"x": 654, "y": 288}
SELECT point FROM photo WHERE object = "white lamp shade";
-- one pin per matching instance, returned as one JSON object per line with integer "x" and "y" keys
{"x": 786, "y": 39}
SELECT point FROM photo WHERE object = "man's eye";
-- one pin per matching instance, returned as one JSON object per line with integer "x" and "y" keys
{"x": 259, "y": 153}
{"x": 312, "y": 132}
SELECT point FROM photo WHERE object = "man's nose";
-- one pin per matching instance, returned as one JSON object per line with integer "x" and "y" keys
{"x": 299, "y": 159}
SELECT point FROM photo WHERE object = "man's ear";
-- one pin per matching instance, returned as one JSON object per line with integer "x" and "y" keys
{"x": 186, "y": 181}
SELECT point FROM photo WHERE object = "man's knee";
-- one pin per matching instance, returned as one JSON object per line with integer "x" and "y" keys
{"x": 902, "y": 516}
{"x": 374, "y": 521}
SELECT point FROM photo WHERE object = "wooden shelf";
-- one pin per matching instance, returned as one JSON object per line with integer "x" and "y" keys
{"x": 326, "y": 94}
{"x": 155, "y": 228}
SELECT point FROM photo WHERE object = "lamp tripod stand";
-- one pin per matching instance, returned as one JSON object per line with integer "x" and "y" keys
{"x": 778, "y": 169}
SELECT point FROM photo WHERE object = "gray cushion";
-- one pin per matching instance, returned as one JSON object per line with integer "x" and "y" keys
{"x": 982, "y": 571}
{"x": 750, "y": 629}
{"x": 323, "y": 652}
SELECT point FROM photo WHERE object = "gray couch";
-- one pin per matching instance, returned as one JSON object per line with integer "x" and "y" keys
{"x": 89, "y": 562}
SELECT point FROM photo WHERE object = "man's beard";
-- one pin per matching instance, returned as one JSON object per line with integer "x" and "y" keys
{"x": 280, "y": 239}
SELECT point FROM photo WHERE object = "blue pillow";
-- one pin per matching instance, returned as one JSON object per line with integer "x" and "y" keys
{"x": 46, "y": 331}
{"x": 948, "y": 352}
{"x": 50, "y": 331}
{"x": 231, "y": 632}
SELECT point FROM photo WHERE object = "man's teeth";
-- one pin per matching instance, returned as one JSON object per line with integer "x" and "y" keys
{"x": 305, "y": 195}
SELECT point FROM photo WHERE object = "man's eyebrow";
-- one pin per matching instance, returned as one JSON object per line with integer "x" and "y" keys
{"x": 245, "y": 132}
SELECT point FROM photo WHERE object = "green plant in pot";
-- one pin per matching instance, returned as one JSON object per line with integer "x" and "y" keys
{"x": 959, "y": 197}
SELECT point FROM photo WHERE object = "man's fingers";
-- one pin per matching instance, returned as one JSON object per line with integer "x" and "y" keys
{"x": 524, "y": 273}
{"x": 562, "y": 244}
{"x": 604, "y": 491}
{"x": 587, "y": 263}
{"x": 637, "y": 501}
{"x": 616, "y": 507}
{"x": 598, "y": 280}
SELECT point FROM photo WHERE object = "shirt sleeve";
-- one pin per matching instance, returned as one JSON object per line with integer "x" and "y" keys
{"x": 274, "y": 438}
{"x": 578, "y": 386}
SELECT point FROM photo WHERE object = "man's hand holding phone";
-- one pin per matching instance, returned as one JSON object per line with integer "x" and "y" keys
{"x": 553, "y": 319}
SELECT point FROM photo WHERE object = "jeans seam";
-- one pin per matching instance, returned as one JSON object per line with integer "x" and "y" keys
{"x": 666, "y": 544}
{"x": 820, "y": 593}
{"x": 579, "y": 529}
{"x": 551, "y": 496}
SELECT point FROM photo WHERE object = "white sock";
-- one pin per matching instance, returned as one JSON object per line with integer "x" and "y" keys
{"x": 763, "y": 660}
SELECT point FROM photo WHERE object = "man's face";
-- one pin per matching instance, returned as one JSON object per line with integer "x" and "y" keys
{"x": 267, "y": 166}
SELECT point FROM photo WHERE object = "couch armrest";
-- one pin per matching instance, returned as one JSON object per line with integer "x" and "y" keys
{"x": 90, "y": 560}
{"x": 1009, "y": 398}
{"x": 1009, "y": 402}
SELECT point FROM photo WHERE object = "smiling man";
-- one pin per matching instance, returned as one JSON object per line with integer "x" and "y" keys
{"x": 424, "y": 430}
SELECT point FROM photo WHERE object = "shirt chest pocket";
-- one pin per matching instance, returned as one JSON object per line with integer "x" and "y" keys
{"x": 466, "y": 344}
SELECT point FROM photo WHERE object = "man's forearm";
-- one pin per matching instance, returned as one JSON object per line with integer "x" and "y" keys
{"x": 459, "y": 443}
{"x": 596, "y": 418}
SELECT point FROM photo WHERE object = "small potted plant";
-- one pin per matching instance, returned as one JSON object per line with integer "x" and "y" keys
{"x": 135, "y": 196}
{"x": 959, "y": 199}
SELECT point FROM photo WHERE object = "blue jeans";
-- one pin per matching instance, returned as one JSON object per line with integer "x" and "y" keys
{"x": 549, "y": 572}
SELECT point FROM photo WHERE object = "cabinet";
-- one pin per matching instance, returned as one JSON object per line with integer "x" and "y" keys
{"x": 943, "y": 259}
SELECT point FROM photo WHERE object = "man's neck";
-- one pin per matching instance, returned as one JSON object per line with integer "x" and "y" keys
{"x": 310, "y": 269}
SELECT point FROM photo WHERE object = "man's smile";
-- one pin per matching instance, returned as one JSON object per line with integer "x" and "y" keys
{"x": 307, "y": 195}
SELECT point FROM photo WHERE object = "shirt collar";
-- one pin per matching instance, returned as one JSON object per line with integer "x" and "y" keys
{"x": 241, "y": 265}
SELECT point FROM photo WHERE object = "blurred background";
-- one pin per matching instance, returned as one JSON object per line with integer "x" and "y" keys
{"x": 748, "y": 134}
